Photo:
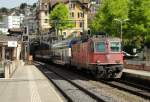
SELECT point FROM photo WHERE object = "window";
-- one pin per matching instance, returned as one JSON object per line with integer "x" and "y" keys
{"x": 115, "y": 46}
{"x": 46, "y": 13}
{"x": 72, "y": 5}
{"x": 81, "y": 24}
{"x": 80, "y": 14}
{"x": 46, "y": 20}
{"x": 99, "y": 47}
{"x": 46, "y": 6}
{"x": 72, "y": 14}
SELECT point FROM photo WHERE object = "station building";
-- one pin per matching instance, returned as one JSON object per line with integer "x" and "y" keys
{"x": 10, "y": 50}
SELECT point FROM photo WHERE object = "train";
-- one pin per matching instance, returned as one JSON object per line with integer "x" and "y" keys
{"x": 100, "y": 55}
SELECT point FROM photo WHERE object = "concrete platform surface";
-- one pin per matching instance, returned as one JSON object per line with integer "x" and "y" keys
{"x": 137, "y": 73}
{"x": 28, "y": 84}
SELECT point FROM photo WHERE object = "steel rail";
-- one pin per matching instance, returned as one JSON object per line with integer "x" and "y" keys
{"x": 128, "y": 88}
{"x": 95, "y": 97}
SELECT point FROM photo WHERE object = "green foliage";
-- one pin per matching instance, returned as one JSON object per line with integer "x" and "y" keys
{"x": 139, "y": 23}
{"x": 23, "y": 5}
{"x": 4, "y": 10}
{"x": 59, "y": 17}
{"x": 34, "y": 5}
{"x": 136, "y": 31}
{"x": 147, "y": 38}
{"x": 108, "y": 11}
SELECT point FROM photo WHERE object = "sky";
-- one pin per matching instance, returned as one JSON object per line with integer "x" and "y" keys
{"x": 14, "y": 3}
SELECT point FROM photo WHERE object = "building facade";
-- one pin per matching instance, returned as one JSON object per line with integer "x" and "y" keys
{"x": 29, "y": 21}
{"x": 10, "y": 22}
{"x": 3, "y": 28}
{"x": 42, "y": 16}
{"x": 78, "y": 10}
{"x": 77, "y": 14}
{"x": 13, "y": 21}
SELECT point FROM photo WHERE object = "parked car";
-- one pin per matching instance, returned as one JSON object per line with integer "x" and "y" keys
{"x": 129, "y": 56}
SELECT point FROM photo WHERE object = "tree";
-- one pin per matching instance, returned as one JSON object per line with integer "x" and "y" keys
{"x": 23, "y": 6}
{"x": 107, "y": 12}
{"x": 4, "y": 10}
{"x": 139, "y": 22}
{"x": 59, "y": 17}
{"x": 34, "y": 5}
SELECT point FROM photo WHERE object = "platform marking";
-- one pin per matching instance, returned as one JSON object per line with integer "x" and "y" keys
{"x": 35, "y": 97}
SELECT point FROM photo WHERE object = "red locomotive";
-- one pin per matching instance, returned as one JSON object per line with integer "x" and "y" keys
{"x": 101, "y": 55}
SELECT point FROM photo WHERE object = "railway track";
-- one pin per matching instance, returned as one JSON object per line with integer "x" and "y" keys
{"x": 83, "y": 94}
{"x": 138, "y": 90}
{"x": 119, "y": 84}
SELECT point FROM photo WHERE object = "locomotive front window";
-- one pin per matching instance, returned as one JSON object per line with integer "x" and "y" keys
{"x": 100, "y": 47}
{"x": 115, "y": 46}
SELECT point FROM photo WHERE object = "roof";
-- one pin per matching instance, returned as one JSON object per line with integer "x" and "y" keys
{"x": 4, "y": 38}
{"x": 81, "y": 2}
{"x": 15, "y": 30}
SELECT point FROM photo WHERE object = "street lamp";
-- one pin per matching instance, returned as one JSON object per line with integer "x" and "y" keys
{"x": 121, "y": 22}
{"x": 93, "y": 3}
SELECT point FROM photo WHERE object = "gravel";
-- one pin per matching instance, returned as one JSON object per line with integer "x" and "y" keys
{"x": 107, "y": 93}
{"x": 73, "y": 92}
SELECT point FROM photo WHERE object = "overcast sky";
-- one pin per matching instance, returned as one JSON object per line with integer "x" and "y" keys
{"x": 14, "y": 3}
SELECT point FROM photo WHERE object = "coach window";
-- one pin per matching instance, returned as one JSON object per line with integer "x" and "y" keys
{"x": 91, "y": 48}
{"x": 99, "y": 47}
{"x": 115, "y": 46}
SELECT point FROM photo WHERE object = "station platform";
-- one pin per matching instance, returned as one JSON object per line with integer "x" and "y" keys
{"x": 137, "y": 73}
{"x": 28, "y": 84}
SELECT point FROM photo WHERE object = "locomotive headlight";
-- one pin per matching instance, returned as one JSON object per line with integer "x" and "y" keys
{"x": 98, "y": 62}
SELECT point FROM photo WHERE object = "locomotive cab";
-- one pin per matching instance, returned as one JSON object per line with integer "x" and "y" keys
{"x": 106, "y": 57}
{"x": 101, "y": 55}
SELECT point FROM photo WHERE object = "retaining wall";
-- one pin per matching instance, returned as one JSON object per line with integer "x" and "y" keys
{"x": 137, "y": 65}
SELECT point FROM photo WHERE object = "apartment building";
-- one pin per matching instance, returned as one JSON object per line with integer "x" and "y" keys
{"x": 30, "y": 22}
{"x": 10, "y": 22}
{"x": 42, "y": 16}
{"x": 13, "y": 21}
{"x": 3, "y": 29}
{"x": 77, "y": 14}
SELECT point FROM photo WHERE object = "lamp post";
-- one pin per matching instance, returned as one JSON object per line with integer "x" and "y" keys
{"x": 93, "y": 3}
{"x": 121, "y": 22}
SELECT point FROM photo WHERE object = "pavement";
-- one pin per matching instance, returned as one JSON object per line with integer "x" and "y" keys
{"x": 137, "y": 73}
{"x": 28, "y": 84}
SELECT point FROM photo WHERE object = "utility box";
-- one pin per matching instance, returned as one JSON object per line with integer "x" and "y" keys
{"x": 30, "y": 59}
